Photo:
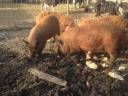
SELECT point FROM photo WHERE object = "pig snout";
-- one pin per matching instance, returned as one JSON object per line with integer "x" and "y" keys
{"x": 61, "y": 48}
{"x": 31, "y": 55}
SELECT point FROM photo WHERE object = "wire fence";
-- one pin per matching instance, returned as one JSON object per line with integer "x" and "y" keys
{"x": 13, "y": 13}
{"x": 23, "y": 12}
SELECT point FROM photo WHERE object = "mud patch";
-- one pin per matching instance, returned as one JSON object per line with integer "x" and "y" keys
{"x": 15, "y": 80}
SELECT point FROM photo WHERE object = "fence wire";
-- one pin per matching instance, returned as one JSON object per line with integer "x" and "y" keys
{"x": 23, "y": 12}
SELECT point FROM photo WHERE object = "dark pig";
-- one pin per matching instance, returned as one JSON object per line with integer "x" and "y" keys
{"x": 40, "y": 33}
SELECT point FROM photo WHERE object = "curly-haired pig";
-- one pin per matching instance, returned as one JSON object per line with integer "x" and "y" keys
{"x": 64, "y": 20}
{"x": 117, "y": 21}
{"x": 94, "y": 38}
{"x": 40, "y": 33}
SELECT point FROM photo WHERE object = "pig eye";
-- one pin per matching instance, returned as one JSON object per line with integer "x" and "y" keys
{"x": 61, "y": 42}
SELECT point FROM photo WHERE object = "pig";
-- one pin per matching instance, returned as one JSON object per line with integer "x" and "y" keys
{"x": 118, "y": 21}
{"x": 94, "y": 38}
{"x": 64, "y": 20}
{"x": 40, "y": 33}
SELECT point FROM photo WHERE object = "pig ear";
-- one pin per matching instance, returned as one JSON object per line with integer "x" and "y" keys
{"x": 26, "y": 42}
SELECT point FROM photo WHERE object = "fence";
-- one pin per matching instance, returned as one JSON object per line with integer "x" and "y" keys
{"x": 17, "y": 14}
{"x": 23, "y": 12}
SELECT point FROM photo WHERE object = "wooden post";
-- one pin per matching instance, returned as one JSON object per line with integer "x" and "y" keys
{"x": 41, "y": 5}
{"x": 67, "y": 7}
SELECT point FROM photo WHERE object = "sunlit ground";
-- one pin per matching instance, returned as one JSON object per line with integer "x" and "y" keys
{"x": 11, "y": 13}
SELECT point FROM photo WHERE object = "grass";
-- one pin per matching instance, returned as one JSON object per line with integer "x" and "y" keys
{"x": 12, "y": 12}
{"x": 16, "y": 14}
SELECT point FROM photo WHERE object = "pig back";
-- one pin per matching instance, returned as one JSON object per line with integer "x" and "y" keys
{"x": 46, "y": 28}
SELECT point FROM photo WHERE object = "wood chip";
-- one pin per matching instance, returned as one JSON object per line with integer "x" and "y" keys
{"x": 91, "y": 65}
{"x": 115, "y": 75}
{"x": 47, "y": 77}
{"x": 123, "y": 67}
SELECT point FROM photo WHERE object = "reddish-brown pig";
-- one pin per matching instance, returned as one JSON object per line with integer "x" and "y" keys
{"x": 64, "y": 20}
{"x": 94, "y": 38}
{"x": 117, "y": 21}
{"x": 40, "y": 33}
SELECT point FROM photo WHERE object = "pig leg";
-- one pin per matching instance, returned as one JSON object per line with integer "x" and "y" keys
{"x": 89, "y": 60}
{"x": 39, "y": 53}
{"x": 113, "y": 55}
{"x": 91, "y": 56}
{"x": 88, "y": 55}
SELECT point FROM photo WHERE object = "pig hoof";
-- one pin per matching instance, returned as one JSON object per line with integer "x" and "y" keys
{"x": 91, "y": 65}
{"x": 88, "y": 55}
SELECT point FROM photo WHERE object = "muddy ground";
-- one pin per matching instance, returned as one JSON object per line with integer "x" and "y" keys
{"x": 15, "y": 80}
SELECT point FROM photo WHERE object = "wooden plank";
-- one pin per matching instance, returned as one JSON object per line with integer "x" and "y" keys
{"x": 47, "y": 77}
